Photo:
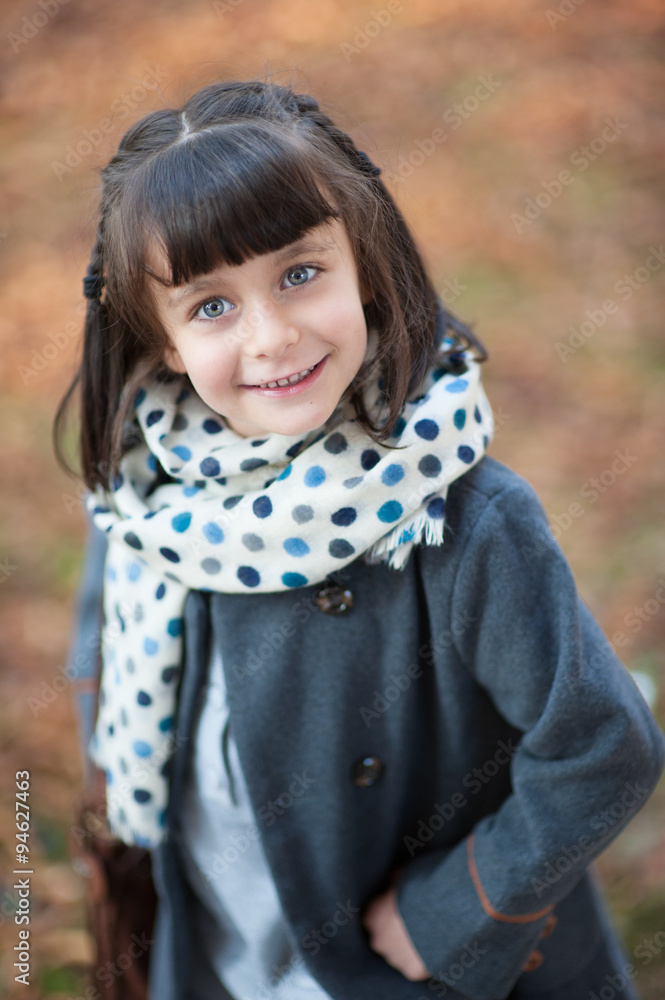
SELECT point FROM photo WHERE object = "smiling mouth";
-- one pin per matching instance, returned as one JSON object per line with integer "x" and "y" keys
{"x": 290, "y": 380}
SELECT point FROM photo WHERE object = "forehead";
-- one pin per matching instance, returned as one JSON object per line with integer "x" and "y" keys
{"x": 328, "y": 238}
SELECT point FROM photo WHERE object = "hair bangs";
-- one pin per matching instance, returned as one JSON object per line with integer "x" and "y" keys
{"x": 230, "y": 193}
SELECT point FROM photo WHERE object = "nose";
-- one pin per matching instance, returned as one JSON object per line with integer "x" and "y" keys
{"x": 268, "y": 331}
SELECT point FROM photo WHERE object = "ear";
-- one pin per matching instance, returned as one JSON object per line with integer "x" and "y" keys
{"x": 173, "y": 360}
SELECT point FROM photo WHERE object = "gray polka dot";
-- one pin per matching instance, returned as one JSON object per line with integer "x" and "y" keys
{"x": 211, "y": 566}
{"x": 302, "y": 513}
{"x": 130, "y": 665}
{"x": 253, "y": 542}
{"x": 138, "y": 612}
{"x": 353, "y": 481}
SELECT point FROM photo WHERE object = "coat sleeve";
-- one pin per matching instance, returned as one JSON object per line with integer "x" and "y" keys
{"x": 84, "y": 655}
{"x": 590, "y": 754}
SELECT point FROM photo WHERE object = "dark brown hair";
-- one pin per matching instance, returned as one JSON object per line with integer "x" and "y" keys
{"x": 244, "y": 168}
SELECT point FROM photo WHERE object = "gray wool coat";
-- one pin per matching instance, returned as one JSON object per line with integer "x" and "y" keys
{"x": 465, "y": 725}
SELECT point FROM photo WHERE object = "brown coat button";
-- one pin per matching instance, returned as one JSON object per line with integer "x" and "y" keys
{"x": 334, "y": 599}
{"x": 534, "y": 960}
{"x": 367, "y": 771}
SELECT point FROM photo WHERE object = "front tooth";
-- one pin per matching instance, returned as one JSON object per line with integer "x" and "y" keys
{"x": 283, "y": 381}
{"x": 271, "y": 385}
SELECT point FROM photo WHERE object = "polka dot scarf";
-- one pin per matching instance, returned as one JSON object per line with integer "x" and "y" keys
{"x": 195, "y": 506}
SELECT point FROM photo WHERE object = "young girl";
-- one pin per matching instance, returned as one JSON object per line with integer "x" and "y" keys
{"x": 350, "y": 697}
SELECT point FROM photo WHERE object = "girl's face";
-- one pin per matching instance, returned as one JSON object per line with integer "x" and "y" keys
{"x": 293, "y": 316}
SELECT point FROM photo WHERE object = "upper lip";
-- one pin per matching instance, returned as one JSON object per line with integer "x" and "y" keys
{"x": 278, "y": 378}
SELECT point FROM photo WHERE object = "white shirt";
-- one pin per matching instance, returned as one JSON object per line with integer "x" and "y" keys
{"x": 240, "y": 924}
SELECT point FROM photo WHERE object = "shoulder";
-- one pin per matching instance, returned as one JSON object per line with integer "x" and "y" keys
{"x": 490, "y": 493}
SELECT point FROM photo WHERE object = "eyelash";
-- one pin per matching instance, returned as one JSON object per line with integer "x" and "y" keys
{"x": 215, "y": 298}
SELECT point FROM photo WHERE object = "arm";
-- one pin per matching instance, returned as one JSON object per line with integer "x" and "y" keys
{"x": 590, "y": 756}
{"x": 84, "y": 660}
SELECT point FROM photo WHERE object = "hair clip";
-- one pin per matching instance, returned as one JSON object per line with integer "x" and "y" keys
{"x": 92, "y": 285}
{"x": 367, "y": 166}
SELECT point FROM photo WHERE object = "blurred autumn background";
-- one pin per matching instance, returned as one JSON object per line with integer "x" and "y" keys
{"x": 539, "y": 206}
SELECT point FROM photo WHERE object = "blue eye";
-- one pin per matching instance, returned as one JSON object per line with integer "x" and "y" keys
{"x": 213, "y": 309}
{"x": 299, "y": 275}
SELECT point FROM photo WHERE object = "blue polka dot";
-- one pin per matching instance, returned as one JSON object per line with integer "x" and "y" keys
{"x": 390, "y": 511}
{"x": 142, "y": 795}
{"x": 294, "y": 580}
{"x": 286, "y": 473}
{"x": 170, "y": 555}
{"x": 352, "y": 481}
{"x": 335, "y": 444}
{"x": 466, "y": 454}
{"x": 141, "y": 748}
{"x": 150, "y": 646}
{"x": 211, "y": 566}
{"x": 369, "y": 458}
{"x": 152, "y": 463}
{"x": 344, "y": 516}
{"x": 430, "y": 466}
{"x": 134, "y": 571}
{"x": 459, "y": 419}
{"x": 339, "y": 548}
{"x": 169, "y": 674}
{"x": 294, "y": 449}
{"x": 161, "y": 590}
{"x": 459, "y": 385}
{"x": 398, "y": 427}
{"x": 190, "y": 491}
{"x": 154, "y": 417}
{"x": 166, "y": 723}
{"x": 406, "y": 535}
{"x": 427, "y": 429}
{"x": 133, "y": 540}
{"x": 302, "y": 513}
{"x": 262, "y": 507}
{"x": 231, "y": 502}
{"x": 211, "y": 426}
{"x": 144, "y": 698}
{"x": 182, "y": 452}
{"x": 476, "y": 415}
{"x": 436, "y": 507}
{"x": 392, "y": 475}
{"x": 181, "y": 522}
{"x": 174, "y": 627}
{"x": 182, "y": 396}
{"x": 249, "y": 464}
{"x": 213, "y": 533}
{"x": 210, "y": 467}
{"x": 139, "y": 397}
{"x": 258, "y": 442}
{"x": 249, "y": 576}
{"x": 117, "y": 482}
{"x": 314, "y": 476}
{"x": 296, "y": 547}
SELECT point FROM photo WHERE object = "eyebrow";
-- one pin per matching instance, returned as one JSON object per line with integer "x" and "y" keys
{"x": 205, "y": 282}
